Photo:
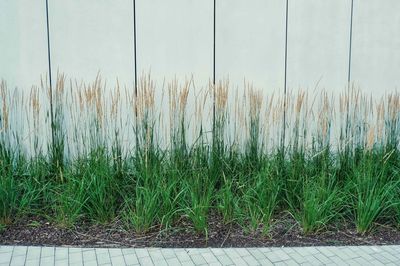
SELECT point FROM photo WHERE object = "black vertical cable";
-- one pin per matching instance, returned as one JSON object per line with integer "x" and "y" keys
{"x": 48, "y": 43}
{"x": 135, "y": 73}
{"x": 350, "y": 43}
{"x": 50, "y": 80}
{"x": 286, "y": 43}
{"x": 285, "y": 81}
{"x": 214, "y": 41}
{"x": 349, "y": 69}
{"x": 214, "y": 32}
{"x": 134, "y": 45}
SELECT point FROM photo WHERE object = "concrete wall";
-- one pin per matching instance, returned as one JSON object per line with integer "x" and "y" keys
{"x": 23, "y": 43}
{"x": 376, "y": 45}
{"x": 175, "y": 38}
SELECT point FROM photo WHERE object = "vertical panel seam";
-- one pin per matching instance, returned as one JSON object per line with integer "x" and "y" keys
{"x": 134, "y": 44}
{"x": 350, "y": 43}
{"x": 135, "y": 71}
{"x": 285, "y": 78}
{"x": 214, "y": 41}
{"x": 214, "y": 58}
{"x": 48, "y": 44}
{"x": 50, "y": 79}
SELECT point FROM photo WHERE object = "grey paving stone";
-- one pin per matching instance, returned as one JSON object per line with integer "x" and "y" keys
{"x": 389, "y": 257}
{"x": 366, "y": 256}
{"x": 256, "y": 253}
{"x": 232, "y": 253}
{"x": 20, "y": 251}
{"x": 127, "y": 251}
{"x": 394, "y": 249}
{"x": 371, "y": 249}
{"x": 300, "y": 251}
{"x": 215, "y": 264}
{"x": 291, "y": 262}
{"x": 142, "y": 252}
{"x": 169, "y": 253}
{"x": 102, "y": 250}
{"x": 240, "y": 261}
{"x": 345, "y": 254}
{"x": 289, "y": 250}
{"x": 32, "y": 262}
{"x": 311, "y": 260}
{"x": 264, "y": 249}
{"x": 337, "y": 260}
{"x": 188, "y": 263}
{"x": 322, "y": 258}
{"x": 156, "y": 255}
{"x": 327, "y": 251}
{"x": 63, "y": 263}
{"x": 162, "y": 262}
{"x": 173, "y": 262}
{"x": 217, "y": 251}
{"x": 198, "y": 259}
{"x": 47, "y": 261}
{"x": 145, "y": 261}
{"x": 381, "y": 257}
{"x": 298, "y": 258}
{"x": 250, "y": 260}
{"x": 276, "y": 255}
{"x": 118, "y": 260}
{"x": 19, "y": 260}
{"x": 209, "y": 257}
{"x": 74, "y": 250}
{"x": 61, "y": 254}
{"x": 75, "y": 258}
{"x": 5, "y": 257}
{"x": 33, "y": 253}
{"x": 47, "y": 252}
{"x": 193, "y": 251}
{"x": 242, "y": 252}
{"x": 91, "y": 263}
{"x": 224, "y": 259}
{"x": 182, "y": 255}
{"x": 103, "y": 258}
{"x": 265, "y": 262}
{"x": 359, "y": 261}
{"x": 6, "y": 249}
{"x": 131, "y": 259}
{"x": 87, "y": 249}
{"x": 89, "y": 256}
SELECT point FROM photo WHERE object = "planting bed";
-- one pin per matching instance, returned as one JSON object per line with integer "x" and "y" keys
{"x": 284, "y": 232}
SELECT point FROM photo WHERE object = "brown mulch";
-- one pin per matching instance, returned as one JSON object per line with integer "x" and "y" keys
{"x": 284, "y": 232}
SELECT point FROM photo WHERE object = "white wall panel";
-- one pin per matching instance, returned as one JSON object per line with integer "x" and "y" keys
{"x": 23, "y": 47}
{"x": 318, "y": 44}
{"x": 376, "y": 45}
{"x": 250, "y": 42}
{"x": 92, "y": 36}
{"x": 175, "y": 37}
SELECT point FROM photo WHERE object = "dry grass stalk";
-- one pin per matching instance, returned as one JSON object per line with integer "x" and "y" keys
{"x": 5, "y": 109}
{"x": 115, "y": 101}
{"x": 221, "y": 96}
{"x": 145, "y": 96}
{"x": 35, "y": 105}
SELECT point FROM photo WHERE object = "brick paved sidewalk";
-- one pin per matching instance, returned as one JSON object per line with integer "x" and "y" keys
{"x": 364, "y": 255}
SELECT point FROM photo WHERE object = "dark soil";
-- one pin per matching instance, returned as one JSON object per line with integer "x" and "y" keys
{"x": 284, "y": 232}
